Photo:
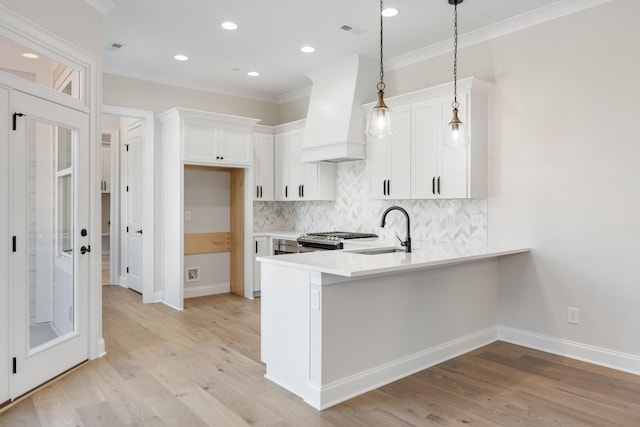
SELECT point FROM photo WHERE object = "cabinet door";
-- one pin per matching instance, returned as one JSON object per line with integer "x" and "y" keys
{"x": 281, "y": 167}
{"x": 106, "y": 169}
{"x": 199, "y": 143}
{"x": 233, "y": 146}
{"x": 261, "y": 248}
{"x": 263, "y": 166}
{"x": 399, "y": 185}
{"x": 378, "y": 166}
{"x": 296, "y": 167}
{"x": 454, "y": 161}
{"x": 424, "y": 164}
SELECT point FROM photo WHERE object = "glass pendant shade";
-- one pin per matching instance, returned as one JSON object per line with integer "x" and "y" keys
{"x": 379, "y": 119}
{"x": 455, "y": 133}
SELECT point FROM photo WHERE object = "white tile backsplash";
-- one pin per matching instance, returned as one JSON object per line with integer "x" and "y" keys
{"x": 445, "y": 221}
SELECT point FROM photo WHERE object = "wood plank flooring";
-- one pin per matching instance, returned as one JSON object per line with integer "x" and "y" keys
{"x": 201, "y": 367}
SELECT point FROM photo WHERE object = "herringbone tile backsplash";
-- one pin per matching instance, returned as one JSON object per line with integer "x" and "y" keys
{"x": 445, "y": 221}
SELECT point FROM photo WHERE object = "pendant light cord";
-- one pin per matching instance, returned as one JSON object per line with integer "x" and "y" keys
{"x": 455, "y": 55}
{"x": 381, "y": 84}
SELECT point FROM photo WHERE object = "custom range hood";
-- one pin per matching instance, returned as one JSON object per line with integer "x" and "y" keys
{"x": 335, "y": 127}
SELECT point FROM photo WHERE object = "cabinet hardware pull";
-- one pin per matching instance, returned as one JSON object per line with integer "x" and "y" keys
{"x": 303, "y": 191}
{"x": 261, "y": 191}
{"x": 256, "y": 246}
{"x": 388, "y": 187}
{"x": 438, "y": 185}
{"x": 433, "y": 185}
{"x": 257, "y": 191}
{"x": 286, "y": 191}
{"x": 384, "y": 187}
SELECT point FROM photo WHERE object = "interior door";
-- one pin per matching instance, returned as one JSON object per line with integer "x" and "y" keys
{"x": 134, "y": 191}
{"x": 50, "y": 255}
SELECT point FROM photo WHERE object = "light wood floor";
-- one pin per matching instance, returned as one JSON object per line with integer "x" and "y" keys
{"x": 201, "y": 367}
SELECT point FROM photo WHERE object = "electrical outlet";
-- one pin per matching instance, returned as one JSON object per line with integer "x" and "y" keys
{"x": 573, "y": 315}
{"x": 187, "y": 215}
{"x": 193, "y": 274}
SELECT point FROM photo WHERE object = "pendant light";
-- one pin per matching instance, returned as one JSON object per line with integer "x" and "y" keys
{"x": 379, "y": 119}
{"x": 455, "y": 133}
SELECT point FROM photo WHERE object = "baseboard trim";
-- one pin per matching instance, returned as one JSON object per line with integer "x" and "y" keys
{"x": 587, "y": 353}
{"x": 204, "y": 290}
{"x": 347, "y": 388}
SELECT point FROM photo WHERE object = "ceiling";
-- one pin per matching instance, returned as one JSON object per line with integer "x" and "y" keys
{"x": 270, "y": 35}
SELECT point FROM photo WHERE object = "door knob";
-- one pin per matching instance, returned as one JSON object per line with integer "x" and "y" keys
{"x": 85, "y": 249}
{"x": 139, "y": 231}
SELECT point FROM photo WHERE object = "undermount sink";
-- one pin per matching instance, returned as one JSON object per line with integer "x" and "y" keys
{"x": 377, "y": 251}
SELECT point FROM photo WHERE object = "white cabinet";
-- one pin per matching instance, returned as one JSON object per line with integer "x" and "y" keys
{"x": 295, "y": 180}
{"x": 443, "y": 172}
{"x": 263, "y": 155}
{"x": 261, "y": 247}
{"x": 414, "y": 163}
{"x": 212, "y": 138}
{"x": 105, "y": 182}
{"x": 389, "y": 159}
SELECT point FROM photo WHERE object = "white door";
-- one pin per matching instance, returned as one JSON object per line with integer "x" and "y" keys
{"x": 49, "y": 220}
{"x": 134, "y": 192}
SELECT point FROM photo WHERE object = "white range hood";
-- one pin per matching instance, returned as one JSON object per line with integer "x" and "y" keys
{"x": 335, "y": 127}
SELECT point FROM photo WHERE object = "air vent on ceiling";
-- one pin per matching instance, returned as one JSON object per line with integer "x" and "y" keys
{"x": 352, "y": 29}
{"x": 115, "y": 46}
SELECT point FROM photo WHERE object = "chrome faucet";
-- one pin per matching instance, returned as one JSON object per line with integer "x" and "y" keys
{"x": 406, "y": 243}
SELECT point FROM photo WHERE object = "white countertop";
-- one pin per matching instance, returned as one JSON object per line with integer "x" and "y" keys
{"x": 282, "y": 234}
{"x": 349, "y": 263}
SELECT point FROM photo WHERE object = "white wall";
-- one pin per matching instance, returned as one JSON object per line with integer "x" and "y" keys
{"x": 207, "y": 195}
{"x": 158, "y": 97}
{"x": 564, "y": 176}
{"x": 73, "y": 20}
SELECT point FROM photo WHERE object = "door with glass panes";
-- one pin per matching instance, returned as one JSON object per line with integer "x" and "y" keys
{"x": 48, "y": 221}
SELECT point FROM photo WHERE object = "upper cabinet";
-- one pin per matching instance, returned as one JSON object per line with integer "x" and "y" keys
{"x": 211, "y": 138}
{"x": 295, "y": 180}
{"x": 414, "y": 163}
{"x": 263, "y": 152}
{"x": 389, "y": 159}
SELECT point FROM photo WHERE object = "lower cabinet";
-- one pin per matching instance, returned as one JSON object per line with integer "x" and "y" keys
{"x": 261, "y": 247}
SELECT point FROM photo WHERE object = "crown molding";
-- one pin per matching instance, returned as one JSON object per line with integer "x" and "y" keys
{"x": 499, "y": 29}
{"x": 305, "y": 92}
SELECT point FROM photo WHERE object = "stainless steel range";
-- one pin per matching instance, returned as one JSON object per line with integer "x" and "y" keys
{"x": 312, "y": 242}
{"x": 330, "y": 239}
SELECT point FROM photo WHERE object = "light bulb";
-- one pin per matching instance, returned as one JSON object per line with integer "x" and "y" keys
{"x": 379, "y": 119}
{"x": 455, "y": 132}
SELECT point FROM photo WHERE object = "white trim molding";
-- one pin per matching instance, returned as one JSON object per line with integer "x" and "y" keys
{"x": 493, "y": 31}
{"x": 587, "y": 353}
{"x": 339, "y": 391}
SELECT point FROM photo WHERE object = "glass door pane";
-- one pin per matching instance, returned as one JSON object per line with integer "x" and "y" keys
{"x": 50, "y": 211}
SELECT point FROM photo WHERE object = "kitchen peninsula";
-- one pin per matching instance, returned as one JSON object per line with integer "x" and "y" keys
{"x": 336, "y": 324}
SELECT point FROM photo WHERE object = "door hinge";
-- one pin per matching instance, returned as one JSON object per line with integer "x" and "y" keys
{"x": 15, "y": 119}
{"x": 15, "y": 244}
{"x": 15, "y": 365}
{"x": 127, "y": 269}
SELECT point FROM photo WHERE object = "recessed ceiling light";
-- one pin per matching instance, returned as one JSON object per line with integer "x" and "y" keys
{"x": 307, "y": 49}
{"x": 253, "y": 74}
{"x": 181, "y": 57}
{"x": 389, "y": 12}
{"x": 30, "y": 55}
{"x": 228, "y": 25}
